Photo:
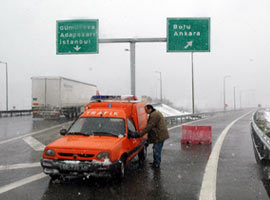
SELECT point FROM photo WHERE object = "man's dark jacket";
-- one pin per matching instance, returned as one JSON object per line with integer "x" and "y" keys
{"x": 156, "y": 128}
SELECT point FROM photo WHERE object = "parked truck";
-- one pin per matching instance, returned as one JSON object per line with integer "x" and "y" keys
{"x": 103, "y": 140}
{"x": 56, "y": 96}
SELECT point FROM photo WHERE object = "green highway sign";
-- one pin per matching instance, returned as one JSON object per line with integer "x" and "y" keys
{"x": 188, "y": 34}
{"x": 77, "y": 36}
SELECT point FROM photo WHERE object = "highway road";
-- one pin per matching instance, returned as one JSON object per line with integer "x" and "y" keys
{"x": 226, "y": 169}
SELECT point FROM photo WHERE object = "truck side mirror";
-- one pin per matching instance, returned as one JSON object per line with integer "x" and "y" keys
{"x": 133, "y": 134}
{"x": 63, "y": 131}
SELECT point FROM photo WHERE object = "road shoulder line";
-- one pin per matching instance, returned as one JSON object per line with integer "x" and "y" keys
{"x": 19, "y": 166}
{"x": 22, "y": 182}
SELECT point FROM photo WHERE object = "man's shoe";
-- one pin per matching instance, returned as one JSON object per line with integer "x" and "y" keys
{"x": 155, "y": 166}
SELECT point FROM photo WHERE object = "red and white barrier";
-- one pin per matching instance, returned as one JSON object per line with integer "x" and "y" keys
{"x": 196, "y": 134}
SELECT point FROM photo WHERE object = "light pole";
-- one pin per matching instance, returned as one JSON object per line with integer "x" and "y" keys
{"x": 160, "y": 85}
{"x": 6, "y": 83}
{"x": 240, "y": 101}
{"x": 224, "y": 91}
{"x": 234, "y": 106}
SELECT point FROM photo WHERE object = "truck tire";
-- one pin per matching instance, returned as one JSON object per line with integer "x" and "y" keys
{"x": 121, "y": 171}
{"x": 53, "y": 177}
{"x": 142, "y": 154}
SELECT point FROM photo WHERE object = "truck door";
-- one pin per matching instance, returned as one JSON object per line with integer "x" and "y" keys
{"x": 133, "y": 142}
{"x": 38, "y": 93}
{"x": 52, "y": 93}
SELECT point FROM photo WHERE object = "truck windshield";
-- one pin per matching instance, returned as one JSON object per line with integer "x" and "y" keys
{"x": 99, "y": 126}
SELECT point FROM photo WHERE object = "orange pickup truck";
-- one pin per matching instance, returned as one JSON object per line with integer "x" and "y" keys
{"x": 103, "y": 139}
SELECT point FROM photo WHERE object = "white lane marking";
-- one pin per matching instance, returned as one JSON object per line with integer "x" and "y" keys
{"x": 22, "y": 182}
{"x": 19, "y": 166}
{"x": 208, "y": 188}
{"x": 35, "y": 144}
{"x": 33, "y": 133}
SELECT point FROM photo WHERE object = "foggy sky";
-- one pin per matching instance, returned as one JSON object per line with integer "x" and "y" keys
{"x": 240, "y": 46}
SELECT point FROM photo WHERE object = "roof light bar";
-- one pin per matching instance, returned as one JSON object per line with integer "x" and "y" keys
{"x": 114, "y": 97}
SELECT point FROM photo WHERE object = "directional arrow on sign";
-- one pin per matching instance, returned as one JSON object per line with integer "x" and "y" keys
{"x": 189, "y": 44}
{"x": 77, "y": 48}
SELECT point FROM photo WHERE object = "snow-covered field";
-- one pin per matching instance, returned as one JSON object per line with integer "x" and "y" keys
{"x": 168, "y": 111}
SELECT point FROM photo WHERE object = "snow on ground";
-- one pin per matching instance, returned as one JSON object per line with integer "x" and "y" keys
{"x": 168, "y": 111}
{"x": 267, "y": 115}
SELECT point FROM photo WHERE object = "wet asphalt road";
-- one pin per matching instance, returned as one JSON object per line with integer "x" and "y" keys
{"x": 180, "y": 176}
{"x": 17, "y": 126}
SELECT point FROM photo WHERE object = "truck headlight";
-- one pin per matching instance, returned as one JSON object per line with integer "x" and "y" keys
{"x": 50, "y": 152}
{"x": 103, "y": 155}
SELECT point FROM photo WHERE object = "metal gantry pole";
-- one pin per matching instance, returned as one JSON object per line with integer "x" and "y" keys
{"x": 132, "y": 42}
{"x": 192, "y": 75}
{"x": 132, "y": 69}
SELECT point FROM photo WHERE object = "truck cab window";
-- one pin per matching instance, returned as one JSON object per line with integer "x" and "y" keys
{"x": 131, "y": 126}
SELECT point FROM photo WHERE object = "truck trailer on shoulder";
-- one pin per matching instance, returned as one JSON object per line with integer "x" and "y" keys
{"x": 55, "y": 96}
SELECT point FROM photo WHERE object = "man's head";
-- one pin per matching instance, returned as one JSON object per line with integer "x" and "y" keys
{"x": 149, "y": 108}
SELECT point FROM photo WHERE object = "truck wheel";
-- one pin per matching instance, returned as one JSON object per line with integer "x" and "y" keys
{"x": 121, "y": 171}
{"x": 53, "y": 177}
{"x": 142, "y": 154}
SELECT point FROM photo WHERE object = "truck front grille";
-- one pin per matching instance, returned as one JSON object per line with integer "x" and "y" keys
{"x": 80, "y": 155}
{"x": 86, "y": 155}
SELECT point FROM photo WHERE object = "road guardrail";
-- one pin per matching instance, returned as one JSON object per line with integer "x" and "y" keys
{"x": 180, "y": 119}
{"x": 172, "y": 120}
{"x": 12, "y": 113}
{"x": 260, "y": 136}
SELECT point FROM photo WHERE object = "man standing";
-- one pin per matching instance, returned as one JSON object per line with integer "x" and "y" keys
{"x": 157, "y": 133}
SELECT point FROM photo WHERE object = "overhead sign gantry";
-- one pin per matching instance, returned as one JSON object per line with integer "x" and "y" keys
{"x": 183, "y": 35}
{"x": 188, "y": 35}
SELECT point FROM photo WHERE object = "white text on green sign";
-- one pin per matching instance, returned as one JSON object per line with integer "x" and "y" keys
{"x": 188, "y": 34}
{"x": 77, "y": 36}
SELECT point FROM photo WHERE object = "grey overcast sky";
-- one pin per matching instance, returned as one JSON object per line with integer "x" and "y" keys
{"x": 240, "y": 47}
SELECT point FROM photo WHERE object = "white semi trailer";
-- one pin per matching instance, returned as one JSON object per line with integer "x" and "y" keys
{"x": 55, "y": 96}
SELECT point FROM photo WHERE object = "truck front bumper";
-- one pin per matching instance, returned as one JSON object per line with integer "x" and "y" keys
{"x": 75, "y": 167}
